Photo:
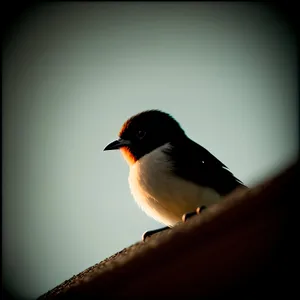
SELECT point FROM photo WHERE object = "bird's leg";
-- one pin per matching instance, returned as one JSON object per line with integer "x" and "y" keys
{"x": 185, "y": 217}
{"x": 188, "y": 215}
{"x": 151, "y": 232}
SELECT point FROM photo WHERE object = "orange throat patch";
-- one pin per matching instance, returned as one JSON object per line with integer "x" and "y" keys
{"x": 128, "y": 155}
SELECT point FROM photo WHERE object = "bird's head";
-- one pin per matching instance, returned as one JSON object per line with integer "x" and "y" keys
{"x": 144, "y": 132}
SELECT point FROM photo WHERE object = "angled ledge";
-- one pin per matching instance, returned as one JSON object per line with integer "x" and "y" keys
{"x": 243, "y": 245}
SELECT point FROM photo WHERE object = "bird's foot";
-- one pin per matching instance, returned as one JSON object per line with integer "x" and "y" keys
{"x": 151, "y": 232}
{"x": 200, "y": 209}
{"x": 187, "y": 216}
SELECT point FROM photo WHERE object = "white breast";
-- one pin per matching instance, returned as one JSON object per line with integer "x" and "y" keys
{"x": 162, "y": 195}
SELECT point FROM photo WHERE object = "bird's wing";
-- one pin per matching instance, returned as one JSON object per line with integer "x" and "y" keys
{"x": 198, "y": 165}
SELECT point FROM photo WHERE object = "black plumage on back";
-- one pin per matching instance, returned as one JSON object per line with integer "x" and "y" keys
{"x": 206, "y": 171}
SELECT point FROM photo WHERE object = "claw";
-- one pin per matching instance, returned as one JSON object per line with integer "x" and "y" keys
{"x": 200, "y": 209}
{"x": 187, "y": 216}
{"x": 151, "y": 232}
{"x": 145, "y": 235}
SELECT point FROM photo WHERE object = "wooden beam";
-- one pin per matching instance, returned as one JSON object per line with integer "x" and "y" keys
{"x": 241, "y": 246}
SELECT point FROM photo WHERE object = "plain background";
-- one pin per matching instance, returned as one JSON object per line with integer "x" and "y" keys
{"x": 74, "y": 72}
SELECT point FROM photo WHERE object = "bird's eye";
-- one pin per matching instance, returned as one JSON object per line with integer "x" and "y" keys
{"x": 140, "y": 134}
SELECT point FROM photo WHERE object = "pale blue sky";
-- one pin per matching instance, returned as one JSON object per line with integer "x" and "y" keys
{"x": 74, "y": 72}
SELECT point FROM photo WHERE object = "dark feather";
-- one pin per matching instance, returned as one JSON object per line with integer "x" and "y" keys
{"x": 206, "y": 171}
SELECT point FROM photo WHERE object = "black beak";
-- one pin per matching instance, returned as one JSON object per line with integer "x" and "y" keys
{"x": 117, "y": 144}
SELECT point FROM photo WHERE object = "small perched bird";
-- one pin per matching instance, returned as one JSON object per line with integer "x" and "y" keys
{"x": 171, "y": 177}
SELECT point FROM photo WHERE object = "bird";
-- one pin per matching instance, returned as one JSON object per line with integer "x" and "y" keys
{"x": 171, "y": 177}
